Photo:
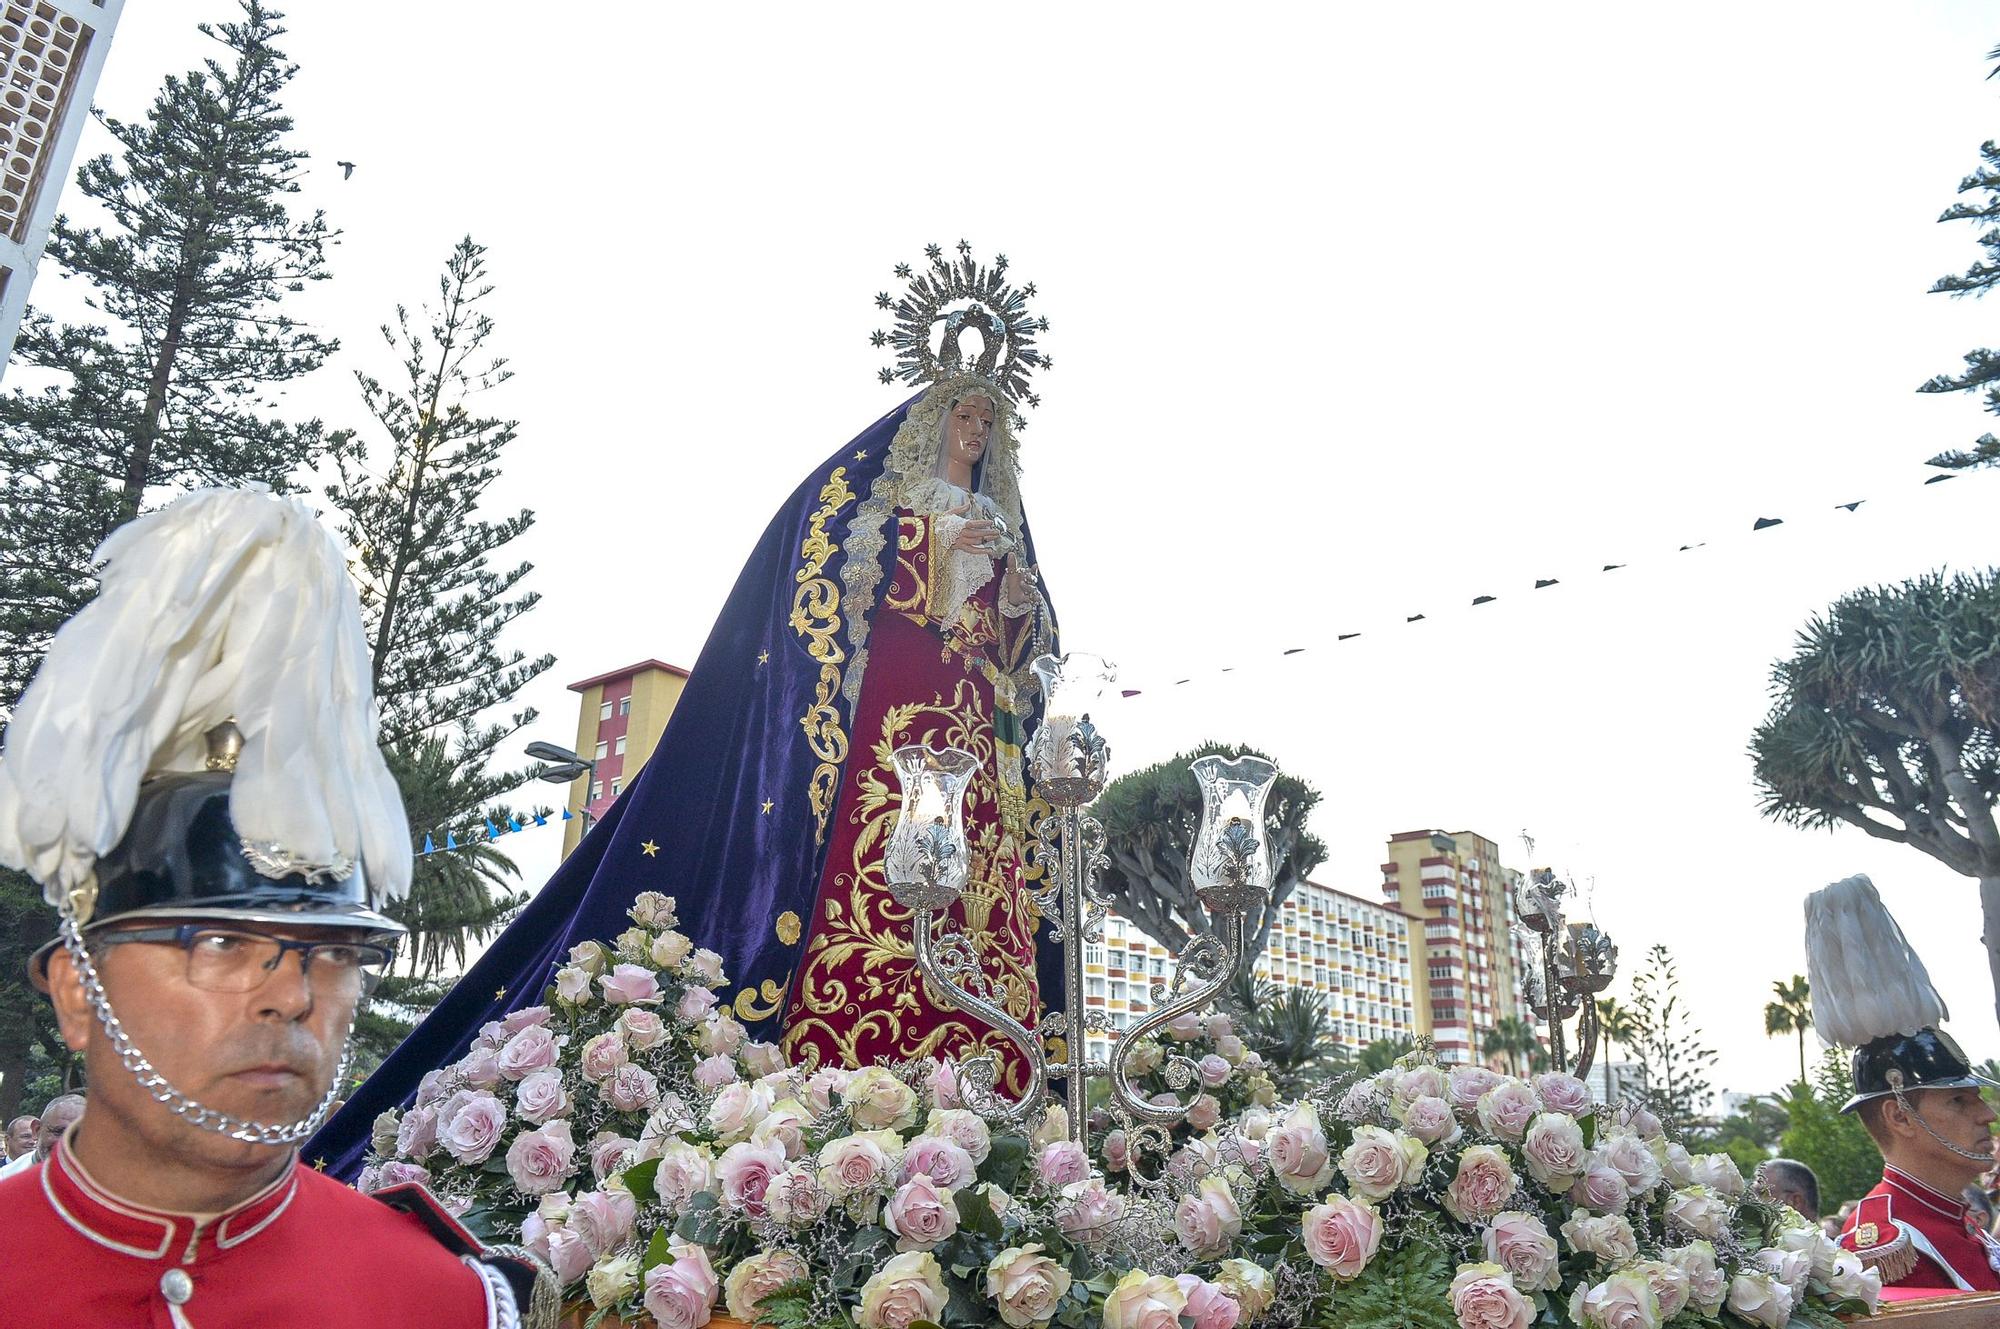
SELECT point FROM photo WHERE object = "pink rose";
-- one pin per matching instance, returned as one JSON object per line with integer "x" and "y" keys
{"x": 906, "y": 1289}
{"x": 824, "y": 1086}
{"x": 540, "y": 1096}
{"x": 1483, "y": 1297}
{"x": 1554, "y": 1151}
{"x": 1088, "y": 1211}
{"x": 474, "y": 1128}
{"x": 855, "y": 1163}
{"x": 921, "y": 1214}
{"x": 720, "y": 1034}
{"x": 1565, "y": 1093}
{"x": 1609, "y": 1237}
{"x": 706, "y": 964}
{"x": 764, "y": 1059}
{"x": 1026, "y": 1285}
{"x": 416, "y": 1133}
{"x": 738, "y": 1108}
{"x": 680, "y": 1294}
{"x": 532, "y": 1049}
{"x": 605, "y": 1220}
{"x": 1184, "y": 1027}
{"x": 1506, "y": 1109}
{"x": 1218, "y": 1026}
{"x": 711, "y": 1073}
{"x": 1669, "y": 1282}
{"x": 1622, "y": 1301}
{"x": 1411, "y": 1085}
{"x": 795, "y": 1197}
{"x": 757, "y": 1277}
{"x": 944, "y": 1161}
{"x": 1116, "y": 1151}
{"x": 1483, "y": 1185}
{"x": 1208, "y": 1220}
{"x": 1204, "y": 1112}
{"x": 693, "y": 1005}
{"x": 632, "y": 1089}
{"x": 1634, "y": 1161}
{"x": 1214, "y": 1071}
{"x": 1696, "y": 1209}
{"x": 963, "y": 1129}
{"x": 1719, "y": 1173}
{"x": 745, "y": 1171}
{"x": 1141, "y": 1300}
{"x": 784, "y": 1126}
{"x": 650, "y": 909}
{"x": 1380, "y": 1162}
{"x": 1359, "y": 1102}
{"x": 573, "y": 985}
{"x": 642, "y": 1028}
{"x": 1601, "y": 1187}
{"x": 567, "y": 1254}
{"x": 1062, "y": 1162}
{"x": 1208, "y": 1306}
{"x": 1430, "y": 1119}
{"x": 527, "y": 1016}
{"x": 479, "y": 1069}
{"x": 1299, "y": 1154}
{"x": 431, "y": 1088}
{"x": 1342, "y": 1235}
{"x": 1521, "y": 1244}
{"x": 540, "y": 1160}
{"x": 630, "y": 984}
{"x": 686, "y": 1170}
{"x": 1467, "y": 1086}
{"x": 602, "y": 1056}
{"x": 402, "y": 1174}
{"x": 609, "y": 1152}
{"x": 943, "y": 1085}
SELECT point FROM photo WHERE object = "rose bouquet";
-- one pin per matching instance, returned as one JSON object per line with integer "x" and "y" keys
{"x": 519, "y": 1136}
{"x": 670, "y": 1171}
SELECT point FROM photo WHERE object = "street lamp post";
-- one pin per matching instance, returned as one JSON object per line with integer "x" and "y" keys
{"x": 565, "y": 766}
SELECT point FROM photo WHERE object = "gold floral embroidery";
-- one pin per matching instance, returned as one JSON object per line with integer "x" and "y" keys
{"x": 816, "y": 619}
{"x": 858, "y": 980}
{"x": 746, "y": 1004}
{"x": 788, "y": 928}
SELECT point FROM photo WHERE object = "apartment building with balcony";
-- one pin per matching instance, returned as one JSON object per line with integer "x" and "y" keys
{"x": 1459, "y": 897}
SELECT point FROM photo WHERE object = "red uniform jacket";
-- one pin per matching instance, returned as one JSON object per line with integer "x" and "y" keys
{"x": 306, "y": 1250}
{"x": 1919, "y": 1237}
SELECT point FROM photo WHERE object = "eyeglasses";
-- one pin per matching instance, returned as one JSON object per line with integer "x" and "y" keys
{"x": 221, "y": 960}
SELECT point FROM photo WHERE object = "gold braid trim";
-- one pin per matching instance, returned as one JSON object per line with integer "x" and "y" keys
{"x": 816, "y": 619}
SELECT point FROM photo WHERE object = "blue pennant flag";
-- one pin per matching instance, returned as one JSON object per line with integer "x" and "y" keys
{"x": 450, "y": 840}
{"x": 566, "y": 815}
{"x": 541, "y": 820}
{"x": 492, "y": 831}
{"x": 429, "y": 848}
{"x": 513, "y": 823}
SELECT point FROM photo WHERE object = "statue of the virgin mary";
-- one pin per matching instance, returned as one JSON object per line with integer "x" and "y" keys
{"x": 893, "y": 599}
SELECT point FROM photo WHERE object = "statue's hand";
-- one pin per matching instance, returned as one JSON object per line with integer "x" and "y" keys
{"x": 978, "y": 536}
{"x": 1017, "y": 588}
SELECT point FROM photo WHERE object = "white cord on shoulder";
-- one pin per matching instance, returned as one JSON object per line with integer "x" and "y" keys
{"x": 502, "y": 1311}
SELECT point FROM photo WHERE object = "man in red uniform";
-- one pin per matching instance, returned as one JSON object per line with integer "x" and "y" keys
{"x": 219, "y": 927}
{"x": 1915, "y": 1093}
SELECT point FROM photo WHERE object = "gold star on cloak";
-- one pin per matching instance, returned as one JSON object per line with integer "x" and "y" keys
{"x": 649, "y": 849}
{"x": 768, "y": 805}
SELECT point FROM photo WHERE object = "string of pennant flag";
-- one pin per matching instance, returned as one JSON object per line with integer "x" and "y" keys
{"x": 488, "y": 832}
{"x": 1756, "y": 525}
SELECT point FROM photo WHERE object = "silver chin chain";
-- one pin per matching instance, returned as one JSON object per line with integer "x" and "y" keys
{"x": 154, "y": 1083}
{"x": 1971, "y": 1155}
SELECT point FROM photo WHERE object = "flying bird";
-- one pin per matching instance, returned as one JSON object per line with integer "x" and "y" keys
{"x": 347, "y": 169}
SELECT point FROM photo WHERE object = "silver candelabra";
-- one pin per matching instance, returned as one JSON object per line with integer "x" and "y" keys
{"x": 927, "y": 869}
{"x": 1576, "y": 962}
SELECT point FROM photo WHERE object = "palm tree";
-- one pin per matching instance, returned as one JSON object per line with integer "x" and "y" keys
{"x": 1614, "y": 1025}
{"x": 1790, "y": 1013}
{"x": 1513, "y": 1038}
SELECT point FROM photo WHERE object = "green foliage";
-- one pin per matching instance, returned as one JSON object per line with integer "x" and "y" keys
{"x": 1886, "y": 717}
{"x": 1835, "y": 1146}
{"x": 33, "y": 1058}
{"x": 1614, "y": 1025}
{"x": 1514, "y": 1040}
{"x": 1380, "y": 1055}
{"x": 1403, "y": 1287}
{"x": 189, "y": 273}
{"x": 1666, "y": 1038}
{"x": 1790, "y": 1013}
{"x": 1979, "y": 203}
{"x": 1291, "y": 1028}
{"x": 789, "y": 1307}
{"x": 434, "y": 607}
{"x": 1150, "y": 820}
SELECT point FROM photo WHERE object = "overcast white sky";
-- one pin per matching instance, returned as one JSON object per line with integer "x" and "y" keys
{"x": 1360, "y": 312}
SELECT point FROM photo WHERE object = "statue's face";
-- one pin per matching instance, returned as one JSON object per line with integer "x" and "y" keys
{"x": 968, "y": 430}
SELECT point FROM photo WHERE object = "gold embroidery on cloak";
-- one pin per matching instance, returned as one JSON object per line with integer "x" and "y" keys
{"x": 816, "y": 619}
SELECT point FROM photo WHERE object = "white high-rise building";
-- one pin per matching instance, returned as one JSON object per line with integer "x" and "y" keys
{"x": 1355, "y": 952}
{"x": 51, "y": 52}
